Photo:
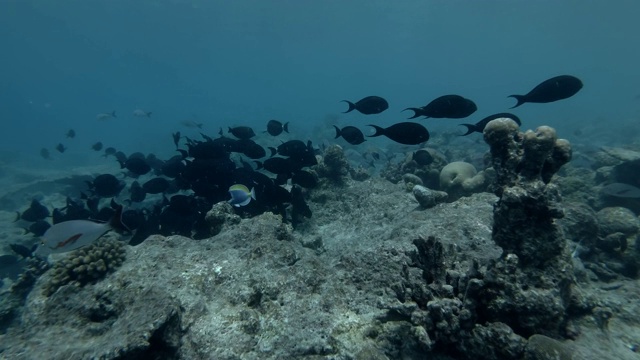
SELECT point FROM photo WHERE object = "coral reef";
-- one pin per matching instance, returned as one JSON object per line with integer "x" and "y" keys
{"x": 334, "y": 165}
{"x": 529, "y": 287}
{"x": 86, "y": 265}
{"x": 221, "y": 214}
{"x": 459, "y": 179}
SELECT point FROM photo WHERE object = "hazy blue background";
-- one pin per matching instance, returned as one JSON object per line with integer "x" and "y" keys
{"x": 244, "y": 62}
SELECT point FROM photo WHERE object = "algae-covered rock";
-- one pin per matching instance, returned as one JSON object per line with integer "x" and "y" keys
{"x": 428, "y": 198}
{"x": 617, "y": 220}
{"x": 540, "y": 347}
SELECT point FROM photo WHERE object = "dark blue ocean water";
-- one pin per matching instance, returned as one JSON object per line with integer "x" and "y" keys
{"x": 245, "y": 62}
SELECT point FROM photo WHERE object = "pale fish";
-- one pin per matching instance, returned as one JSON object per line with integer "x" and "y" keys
{"x": 106, "y": 116}
{"x": 141, "y": 113}
{"x": 74, "y": 234}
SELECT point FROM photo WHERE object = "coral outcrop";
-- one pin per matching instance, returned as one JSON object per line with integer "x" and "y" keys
{"x": 529, "y": 287}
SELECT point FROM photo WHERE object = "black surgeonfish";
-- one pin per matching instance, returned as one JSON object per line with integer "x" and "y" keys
{"x": 554, "y": 89}
{"x": 351, "y": 134}
{"x": 369, "y": 106}
{"x": 156, "y": 185}
{"x": 97, "y": 146}
{"x": 106, "y": 185}
{"x": 275, "y": 127}
{"x": 35, "y": 212}
{"x": 176, "y": 138}
{"x": 137, "y": 193}
{"x": 446, "y": 106}
{"x": 61, "y": 148}
{"x": 480, "y": 125}
{"x": 136, "y": 165}
{"x": 422, "y": 157}
{"x": 407, "y": 133}
{"x": 242, "y": 132}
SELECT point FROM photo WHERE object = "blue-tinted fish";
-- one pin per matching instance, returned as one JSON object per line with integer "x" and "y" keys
{"x": 240, "y": 195}
{"x": 74, "y": 234}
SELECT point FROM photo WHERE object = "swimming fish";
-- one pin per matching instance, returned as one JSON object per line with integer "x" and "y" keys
{"x": 422, "y": 157}
{"x": 351, "y": 134}
{"x": 407, "y": 133}
{"x": 242, "y": 132}
{"x": 369, "y": 105}
{"x": 240, "y": 195}
{"x": 446, "y": 106}
{"x": 275, "y": 127}
{"x": 74, "y": 234}
{"x": 621, "y": 190}
{"x": 141, "y": 113}
{"x": 61, "y": 148}
{"x": 97, "y": 146}
{"x": 71, "y": 133}
{"x": 480, "y": 125}
{"x": 106, "y": 116}
{"x": 176, "y": 138}
{"x": 35, "y": 212}
{"x": 554, "y": 89}
{"x": 45, "y": 154}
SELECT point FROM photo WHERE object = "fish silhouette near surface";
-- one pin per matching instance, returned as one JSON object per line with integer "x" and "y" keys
{"x": 554, "y": 89}
{"x": 407, "y": 133}
{"x": 446, "y": 106}
{"x": 369, "y": 105}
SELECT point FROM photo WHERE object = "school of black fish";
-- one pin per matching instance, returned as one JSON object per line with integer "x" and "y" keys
{"x": 177, "y": 192}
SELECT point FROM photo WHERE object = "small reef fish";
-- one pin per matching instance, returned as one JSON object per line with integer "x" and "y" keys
{"x": 71, "y": 133}
{"x": 176, "y": 138}
{"x": 106, "y": 116}
{"x": 351, "y": 134}
{"x": 97, "y": 146}
{"x": 61, "y": 148}
{"x": 141, "y": 113}
{"x": 480, "y": 125}
{"x": 446, "y": 106}
{"x": 554, "y": 89}
{"x": 407, "y": 133}
{"x": 240, "y": 195}
{"x": 45, "y": 154}
{"x": 74, "y": 234}
{"x": 275, "y": 127}
{"x": 369, "y": 105}
{"x": 242, "y": 132}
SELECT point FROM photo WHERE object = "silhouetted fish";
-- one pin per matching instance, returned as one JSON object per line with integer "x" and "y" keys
{"x": 97, "y": 146}
{"x": 554, "y": 89}
{"x": 480, "y": 125}
{"x": 45, "y": 154}
{"x": 275, "y": 127}
{"x": 71, "y": 133}
{"x": 422, "y": 157}
{"x": 351, "y": 134}
{"x": 191, "y": 124}
{"x": 369, "y": 105}
{"x": 61, "y": 148}
{"x": 106, "y": 185}
{"x": 35, "y": 212}
{"x": 176, "y": 138}
{"x": 447, "y": 106}
{"x": 407, "y": 133}
{"x": 242, "y": 132}
{"x": 156, "y": 185}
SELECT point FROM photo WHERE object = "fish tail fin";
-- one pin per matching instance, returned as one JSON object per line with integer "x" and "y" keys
{"x": 116, "y": 221}
{"x": 520, "y": 98}
{"x": 379, "y": 130}
{"x": 113, "y": 113}
{"x": 337, "y": 132}
{"x": 286, "y": 127}
{"x": 253, "y": 193}
{"x": 470, "y": 128}
{"x": 416, "y": 112}
{"x": 352, "y": 106}
{"x": 121, "y": 164}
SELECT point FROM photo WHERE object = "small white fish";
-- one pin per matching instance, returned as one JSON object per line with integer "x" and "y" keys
{"x": 74, "y": 234}
{"x": 106, "y": 116}
{"x": 240, "y": 195}
{"x": 141, "y": 113}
